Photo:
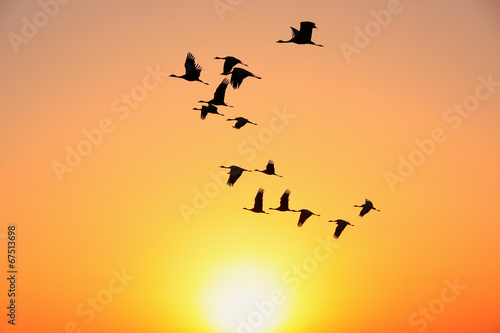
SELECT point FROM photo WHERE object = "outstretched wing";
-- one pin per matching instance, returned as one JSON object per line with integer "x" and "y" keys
{"x": 204, "y": 112}
{"x": 240, "y": 122}
{"x": 234, "y": 174}
{"x": 193, "y": 70}
{"x": 229, "y": 63}
{"x": 340, "y": 227}
{"x": 306, "y": 29}
{"x": 270, "y": 167}
{"x": 304, "y": 215}
{"x": 295, "y": 32}
{"x": 259, "y": 199}
{"x": 365, "y": 210}
{"x": 284, "y": 200}
{"x": 190, "y": 64}
{"x": 236, "y": 78}
{"x": 220, "y": 92}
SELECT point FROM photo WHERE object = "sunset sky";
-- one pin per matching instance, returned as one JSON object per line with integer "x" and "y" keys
{"x": 123, "y": 219}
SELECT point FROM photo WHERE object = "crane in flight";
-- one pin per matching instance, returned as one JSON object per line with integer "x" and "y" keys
{"x": 240, "y": 122}
{"x": 234, "y": 173}
{"x": 258, "y": 204}
{"x": 283, "y": 207}
{"x": 304, "y": 215}
{"x": 366, "y": 207}
{"x": 219, "y": 94}
{"x": 205, "y": 110}
{"x": 341, "y": 224}
{"x": 269, "y": 169}
{"x": 302, "y": 36}
{"x": 193, "y": 70}
{"x": 229, "y": 63}
{"x": 238, "y": 74}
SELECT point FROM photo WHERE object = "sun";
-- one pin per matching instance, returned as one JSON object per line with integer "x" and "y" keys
{"x": 245, "y": 298}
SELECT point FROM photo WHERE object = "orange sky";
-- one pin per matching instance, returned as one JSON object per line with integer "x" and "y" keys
{"x": 142, "y": 234}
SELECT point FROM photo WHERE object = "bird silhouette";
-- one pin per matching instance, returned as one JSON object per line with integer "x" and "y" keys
{"x": 229, "y": 63}
{"x": 304, "y": 215}
{"x": 234, "y": 173}
{"x": 238, "y": 74}
{"x": 258, "y": 204}
{"x": 302, "y": 36}
{"x": 284, "y": 202}
{"x": 206, "y": 109}
{"x": 269, "y": 169}
{"x": 341, "y": 224}
{"x": 193, "y": 70}
{"x": 240, "y": 122}
{"x": 367, "y": 206}
{"x": 219, "y": 94}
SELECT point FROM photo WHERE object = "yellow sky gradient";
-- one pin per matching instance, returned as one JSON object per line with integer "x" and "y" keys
{"x": 144, "y": 226}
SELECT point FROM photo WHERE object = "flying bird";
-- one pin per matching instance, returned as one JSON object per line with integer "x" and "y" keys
{"x": 193, "y": 70}
{"x": 238, "y": 74}
{"x": 219, "y": 94}
{"x": 257, "y": 206}
{"x": 229, "y": 63}
{"x": 341, "y": 224}
{"x": 284, "y": 202}
{"x": 304, "y": 215}
{"x": 234, "y": 173}
{"x": 205, "y": 110}
{"x": 302, "y": 36}
{"x": 269, "y": 169}
{"x": 367, "y": 206}
{"x": 240, "y": 122}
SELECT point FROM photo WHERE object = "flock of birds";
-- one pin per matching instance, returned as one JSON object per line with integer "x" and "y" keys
{"x": 237, "y": 75}
{"x": 235, "y": 172}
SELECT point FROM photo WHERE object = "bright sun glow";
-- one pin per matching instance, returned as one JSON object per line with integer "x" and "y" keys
{"x": 246, "y": 299}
